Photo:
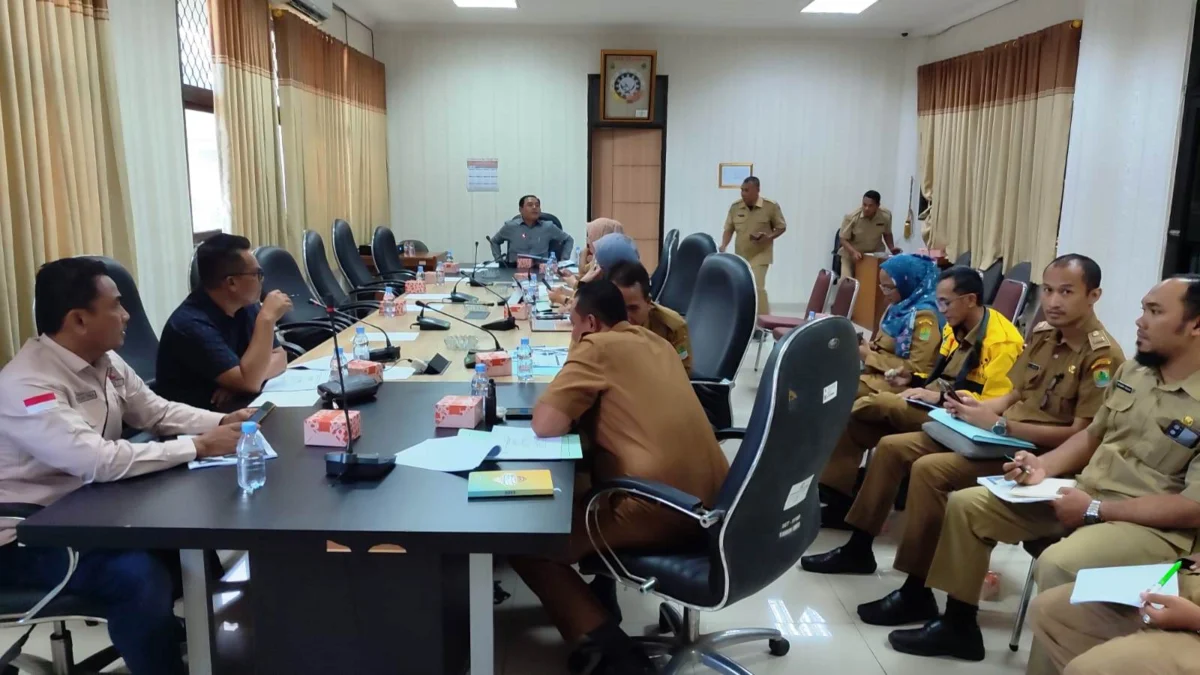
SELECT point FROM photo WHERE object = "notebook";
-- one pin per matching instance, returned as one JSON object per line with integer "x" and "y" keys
{"x": 524, "y": 483}
{"x": 975, "y": 434}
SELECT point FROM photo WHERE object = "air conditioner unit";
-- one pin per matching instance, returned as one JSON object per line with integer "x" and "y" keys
{"x": 312, "y": 11}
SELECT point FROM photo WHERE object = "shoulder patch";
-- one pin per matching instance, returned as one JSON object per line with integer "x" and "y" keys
{"x": 1098, "y": 339}
{"x": 1043, "y": 327}
{"x": 683, "y": 352}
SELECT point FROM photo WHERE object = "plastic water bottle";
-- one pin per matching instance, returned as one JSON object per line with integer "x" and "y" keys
{"x": 362, "y": 344}
{"x": 441, "y": 273}
{"x": 421, "y": 272}
{"x": 533, "y": 289}
{"x": 524, "y": 361}
{"x": 338, "y": 364}
{"x": 479, "y": 383}
{"x": 812, "y": 316}
{"x": 251, "y": 459}
{"x": 449, "y": 255}
{"x": 552, "y": 268}
{"x": 576, "y": 255}
{"x": 387, "y": 307}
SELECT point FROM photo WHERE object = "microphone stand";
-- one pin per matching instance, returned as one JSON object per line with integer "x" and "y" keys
{"x": 495, "y": 340}
{"x": 348, "y": 466}
{"x": 385, "y": 355}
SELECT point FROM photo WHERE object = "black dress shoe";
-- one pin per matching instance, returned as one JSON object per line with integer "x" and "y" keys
{"x": 894, "y": 609}
{"x": 938, "y": 638}
{"x": 839, "y": 561}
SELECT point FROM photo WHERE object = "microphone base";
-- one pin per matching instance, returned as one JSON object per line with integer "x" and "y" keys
{"x": 385, "y": 355}
{"x": 462, "y": 297}
{"x": 475, "y": 284}
{"x": 428, "y": 323}
{"x": 349, "y": 467}
{"x": 507, "y": 324}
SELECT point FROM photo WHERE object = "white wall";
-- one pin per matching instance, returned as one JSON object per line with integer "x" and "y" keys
{"x": 1006, "y": 23}
{"x": 820, "y": 120}
{"x": 1124, "y": 142}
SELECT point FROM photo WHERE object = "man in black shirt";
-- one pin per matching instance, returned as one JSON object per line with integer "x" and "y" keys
{"x": 219, "y": 345}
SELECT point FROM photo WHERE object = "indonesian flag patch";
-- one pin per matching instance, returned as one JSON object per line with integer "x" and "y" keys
{"x": 40, "y": 403}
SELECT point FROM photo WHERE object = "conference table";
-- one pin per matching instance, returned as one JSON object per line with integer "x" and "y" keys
{"x": 384, "y": 577}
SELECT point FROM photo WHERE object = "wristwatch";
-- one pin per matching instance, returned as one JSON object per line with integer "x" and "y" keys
{"x": 1000, "y": 428}
{"x": 1092, "y": 515}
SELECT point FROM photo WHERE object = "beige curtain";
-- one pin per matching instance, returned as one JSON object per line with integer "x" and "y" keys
{"x": 993, "y": 128}
{"x": 367, "y": 149}
{"x": 244, "y": 103}
{"x": 63, "y": 188}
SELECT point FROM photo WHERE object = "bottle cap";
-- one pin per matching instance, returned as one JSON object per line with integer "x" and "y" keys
{"x": 362, "y": 330}
{"x": 480, "y": 368}
{"x": 249, "y": 427}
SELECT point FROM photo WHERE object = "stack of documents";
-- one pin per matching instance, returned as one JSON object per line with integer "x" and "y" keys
{"x": 975, "y": 434}
{"x": 295, "y": 388}
{"x": 521, "y": 444}
{"x": 1122, "y": 585}
{"x": 1011, "y": 492}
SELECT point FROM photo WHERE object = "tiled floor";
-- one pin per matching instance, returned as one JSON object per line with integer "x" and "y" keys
{"x": 816, "y": 613}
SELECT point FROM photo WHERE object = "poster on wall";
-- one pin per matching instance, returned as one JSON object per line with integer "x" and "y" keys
{"x": 483, "y": 175}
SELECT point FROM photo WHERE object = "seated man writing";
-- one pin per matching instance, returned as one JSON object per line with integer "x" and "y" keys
{"x": 979, "y": 348}
{"x": 910, "y": 331}
{"x": 1098, "y": 638}
{"x": 219, "y": 345}
{"x": 1138, "y": 497}
{"x": 63, "y": 399}
{"x": 530, "y": 234}
{"x": 625, "y": 389}
{"x": 634, "y": 283}
{"x": 1060, "y": 380}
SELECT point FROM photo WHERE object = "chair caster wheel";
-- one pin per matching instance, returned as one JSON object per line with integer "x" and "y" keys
{"x": 779, "y": 646}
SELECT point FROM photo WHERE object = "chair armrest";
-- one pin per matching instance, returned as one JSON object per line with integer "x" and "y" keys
{"x": 293, "y": 349}
{"x": 302, "y": 325}
{"x": 18, "y": 510}
{"x": 659, "y": 492}
{"x": 369, "y": 290}
{"x": 732, "y": 433}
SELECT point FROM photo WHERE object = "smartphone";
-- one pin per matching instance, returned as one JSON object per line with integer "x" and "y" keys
{"x": 262, "y": 412}
{"x": 1183, "y": 435}
{"x": 519, "y": 413}
{"x": 951, "y": 394}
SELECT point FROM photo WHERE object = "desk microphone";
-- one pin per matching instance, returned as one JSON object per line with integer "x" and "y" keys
{"x": 385, "y": 355}
{"x": 429, "y": 323}
{"x": 424, "y": 305}
{"x": 349, "y": 466}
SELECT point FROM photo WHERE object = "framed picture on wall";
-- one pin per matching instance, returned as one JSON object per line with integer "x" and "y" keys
{"x": 731, "y": 174}
{"x": 627, "y": 77}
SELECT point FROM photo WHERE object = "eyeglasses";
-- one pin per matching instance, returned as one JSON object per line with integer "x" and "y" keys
{"x": 944, "y": 305}
{"x": 256, "y": 273}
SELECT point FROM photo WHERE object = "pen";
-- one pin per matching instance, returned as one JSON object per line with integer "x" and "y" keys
{"x": 1024, "y": 469}
{"x": 1166, "y": 577}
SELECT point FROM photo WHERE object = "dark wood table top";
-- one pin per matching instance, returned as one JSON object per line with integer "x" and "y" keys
{"x": 300, "y": 508}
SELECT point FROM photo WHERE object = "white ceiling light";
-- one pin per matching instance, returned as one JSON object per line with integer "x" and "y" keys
{"x": 838, "y": 6}
{"x": 486, "y": 4}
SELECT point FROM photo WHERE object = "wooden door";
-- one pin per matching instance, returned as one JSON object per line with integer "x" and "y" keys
{"x": 627, "y": 185}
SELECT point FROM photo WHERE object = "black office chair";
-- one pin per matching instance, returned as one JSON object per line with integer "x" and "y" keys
{"x": 721, "y": 320}
{"x": 140, "y": 349}
{"x": 963, "y": 260}
{"x": 545, "y": 216}
{"x": 194, "y": 271}
{"x": 418, "y": 245}
{"x": 386, "y": 256}
{"x": 304, "y": 326}
{"x": 767, "y": 512}
{"x": 1020, "y": 272}
{"x": 670, "y": 246}
{"x": 685, "y": 267}
{"x": 992, "y": 277}
{"x": 358, "y": 303}
{"x": 23, "y": 608}
{"x": 836, "y": 264}
{"x": 349, "y": 260}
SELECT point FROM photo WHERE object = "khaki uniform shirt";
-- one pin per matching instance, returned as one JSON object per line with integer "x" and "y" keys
{"x": 1059, "y": 382}
{"x": 922, "y": 354}
{"x": 866, "y": 234}
{"x": 638, "y": 414}
{"x": 670, "y": 326}
{"x": 743, "y": 221}
{"x": 1136, "y": 457}
{"x": 61, "y": 420}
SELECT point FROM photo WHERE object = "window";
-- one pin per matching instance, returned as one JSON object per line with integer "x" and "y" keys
{"x": 209, "y": 211}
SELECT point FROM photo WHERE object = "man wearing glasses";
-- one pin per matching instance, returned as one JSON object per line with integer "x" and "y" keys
{"x": 979, "y": 347}
{"x": 219, "y": 345}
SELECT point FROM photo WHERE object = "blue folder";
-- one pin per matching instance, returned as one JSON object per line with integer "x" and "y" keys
{"x": 975, "y": 434}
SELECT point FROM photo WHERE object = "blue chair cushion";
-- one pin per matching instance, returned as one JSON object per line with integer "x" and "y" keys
{"x": 681, "y": 576}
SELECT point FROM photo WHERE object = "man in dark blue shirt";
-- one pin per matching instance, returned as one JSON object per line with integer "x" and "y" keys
{"x": 219, "y": 345}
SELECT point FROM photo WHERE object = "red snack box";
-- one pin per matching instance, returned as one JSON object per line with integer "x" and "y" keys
{"x": 328, "y": 428}
{"x": 451, "y": 268}
{"x": 431, "y": 277}
{"x": 524, "y": 263}
{"x": 401, "y": 305}
{"x": 521, "y": 276}
{"x": 498, "y": 363}
{"x": 369, "y": 368}
{"x": 414, "y": 286}
{"x": 458, "y": 412}
{"x": 519, "y": 311}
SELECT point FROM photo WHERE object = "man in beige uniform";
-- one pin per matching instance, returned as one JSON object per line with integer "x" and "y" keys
{"x": 629, "y": 395}
{"x": 757, "y": 222}
{"x": 63, "y": 399}
{"x": 1138, "y": 497}
{"x": 865, "y": 230}
{"x": 1098, "y": 638}
{"x": 634, "y": 283}
{"x": 1059, "y": 383}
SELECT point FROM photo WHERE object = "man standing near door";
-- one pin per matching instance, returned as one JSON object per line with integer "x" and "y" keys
{"x": 757, "y": 222}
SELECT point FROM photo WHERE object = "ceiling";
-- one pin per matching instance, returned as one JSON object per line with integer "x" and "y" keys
{"x": 884, "y": 18}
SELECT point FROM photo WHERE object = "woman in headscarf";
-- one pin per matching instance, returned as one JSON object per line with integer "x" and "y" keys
{"x": 607, "y": 251}
{"x": 596, "y": 230}
{"x": 910, "y": 332}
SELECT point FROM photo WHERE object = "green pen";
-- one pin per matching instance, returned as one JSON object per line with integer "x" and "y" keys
{"x": 1167, "y": 577}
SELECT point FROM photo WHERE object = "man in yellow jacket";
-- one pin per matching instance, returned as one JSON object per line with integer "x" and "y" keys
{"x": 979, "y": 348}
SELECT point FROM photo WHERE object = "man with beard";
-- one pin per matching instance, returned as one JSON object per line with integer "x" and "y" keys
{"x": 1138, "y": 495}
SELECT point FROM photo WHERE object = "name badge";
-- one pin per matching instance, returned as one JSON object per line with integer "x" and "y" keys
{"x": 1124, "y": 387}
{"x": 1034, "y": 366}
{"x": 86, "y": 396}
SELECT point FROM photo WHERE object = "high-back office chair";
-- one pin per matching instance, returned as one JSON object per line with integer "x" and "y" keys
{"x": 20, "y": 608}
{"x": 963, "y": 260}
{"x": 140, "y": 349}
{"x": 818, "y": 299}
{"x": 384, "y": 253}
{"x": 359, "y": 302}
{"x": 685, "y": 266}
{"x": 992, "y": 277}
{"x": 1010, "y": 299}
{"x": 767, "y": 511}
{"x": 844, "y": 298}
{"x": 350, "y": 262}
{"x": 1038, "y": 317}
{"x": 194, "y": 271}
{"x": 305, "y": 325}
{"x": 1020, "y": 272}
{"x": 418, "y": 245}
{"x": 721, "y": 321}
{"x": 545, "y": 216}
{"x": 670, "y": 245}
{"x": 836, "y": 264}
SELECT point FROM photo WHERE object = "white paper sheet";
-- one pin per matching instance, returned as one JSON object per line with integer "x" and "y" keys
{"x": 1003, "y": 489}
{"x": 287, "y": 399}
{"x": 1121, "y": 585}
{"x": 522, "y": 445}
{"x": 397, "y": 373}
{"x": 296, "y": 380}
{"x": 394, "y": 336}
{"x": 1047, "y": 489}
{"x": 413, "y": 309}
{"x": 450, "y": 454}
{"x": 228, "y": 460}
